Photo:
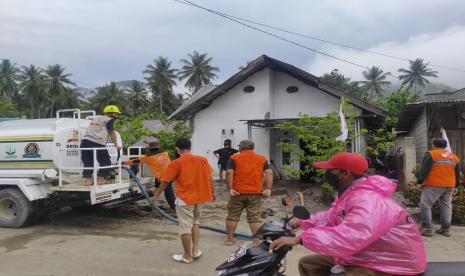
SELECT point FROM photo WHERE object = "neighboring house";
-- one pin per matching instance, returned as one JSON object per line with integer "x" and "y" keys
{"x": 255, "y": 100}
{"x": 423, "y": 120}
{"x": 153, "y": 125}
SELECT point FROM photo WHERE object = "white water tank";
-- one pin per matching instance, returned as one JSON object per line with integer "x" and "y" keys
{"x": 39, "y": 143}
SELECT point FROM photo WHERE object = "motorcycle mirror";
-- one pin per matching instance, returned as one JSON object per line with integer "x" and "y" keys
{"x": 301, "y": 212}
{"x": 287, "y": 201}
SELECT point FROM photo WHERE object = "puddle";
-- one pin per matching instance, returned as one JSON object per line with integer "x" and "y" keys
{"x": 17, "y": 242}
{"x": 21, "y": 241}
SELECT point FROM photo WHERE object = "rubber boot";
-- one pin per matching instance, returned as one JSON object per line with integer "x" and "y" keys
{"x": 426, "y": 230}
{"x": 445, "y": 231}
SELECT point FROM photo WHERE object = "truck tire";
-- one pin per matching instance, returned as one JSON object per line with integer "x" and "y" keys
{"x": 15, "y": 209}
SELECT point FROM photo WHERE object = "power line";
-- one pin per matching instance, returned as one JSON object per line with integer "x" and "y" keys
{"x": 230, "y": 17}
{"x": 268, "y": 33}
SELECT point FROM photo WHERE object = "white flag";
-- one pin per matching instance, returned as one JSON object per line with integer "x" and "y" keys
{"x": 344, "y": 128}
{"x": 444, "y": 136}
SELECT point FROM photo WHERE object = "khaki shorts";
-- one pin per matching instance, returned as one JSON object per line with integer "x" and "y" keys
{"x": 251, "y": 202}
{"x": 188, "y": 215}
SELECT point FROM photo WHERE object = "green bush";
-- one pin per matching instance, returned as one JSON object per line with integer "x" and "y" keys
{"x": 412, "y": 194}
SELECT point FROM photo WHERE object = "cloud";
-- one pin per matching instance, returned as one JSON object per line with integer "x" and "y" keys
{"x": 103, "y": 40}
{"x": 442, "y": 48}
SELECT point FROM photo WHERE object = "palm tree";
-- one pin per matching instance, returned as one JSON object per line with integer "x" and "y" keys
{"x": 161, "y": 78}
{"x": 138, "y": 96}
{"x": 57, "y": 82}
{"x": 110, "y": 94}
{"x": 70, "y": 98}
{"x": 9, "y": 77}
{"x": 417, "y": 74}
{"x": 33, "y": 86}
{"x": 375, "y": 80}
{"x": 197, "y": 71}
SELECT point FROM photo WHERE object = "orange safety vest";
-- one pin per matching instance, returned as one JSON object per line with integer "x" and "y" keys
{"x": 157, "y": 163}
{"x": 442, "y": 173}
{"x": 248, "y": 174}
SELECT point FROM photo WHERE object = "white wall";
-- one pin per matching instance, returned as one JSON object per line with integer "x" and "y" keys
{"x": 309, "y": 100}
{"x": 420, "y": 134}
{"x": 225, "y": 113}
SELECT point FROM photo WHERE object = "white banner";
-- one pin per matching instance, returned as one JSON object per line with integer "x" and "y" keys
{"x": 344, "y": 128}
{"x": 444, "y": 136}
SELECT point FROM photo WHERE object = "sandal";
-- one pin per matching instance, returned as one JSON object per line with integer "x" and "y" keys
{"x": 199, "y": 253}
{"x": 180, "y": 258}
{"x": 269, "y": 212}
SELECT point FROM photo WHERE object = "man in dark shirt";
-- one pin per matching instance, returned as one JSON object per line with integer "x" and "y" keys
{"x": 223, "y": 156}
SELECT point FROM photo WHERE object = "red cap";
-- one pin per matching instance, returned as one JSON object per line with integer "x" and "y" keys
{"x": 351, "y": 162}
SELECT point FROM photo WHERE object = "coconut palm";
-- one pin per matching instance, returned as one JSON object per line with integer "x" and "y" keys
{"x": 57, "y": 82}
{"x": 417, "y": 74}
{"x": 197, "y": 71}
{"x": 138, "y": 97}
{"x": 9, "y": 77}
{"x": 70, "y": 98}
{"x": 374, "y": 83}
{"x": 110, "y": 94}
{"x": 33, "y": 87}
{"x": 161, "y": 78}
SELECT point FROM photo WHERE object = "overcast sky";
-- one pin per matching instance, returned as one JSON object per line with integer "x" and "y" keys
{"x": 104, "y": 40}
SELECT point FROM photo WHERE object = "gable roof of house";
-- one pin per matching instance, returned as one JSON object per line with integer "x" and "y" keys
{"x": 412, "y": 110}
{"x": 210, "y": 93}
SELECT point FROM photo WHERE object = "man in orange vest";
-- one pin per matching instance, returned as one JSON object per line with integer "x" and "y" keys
{"x": 194, "y": 187}
{"x": 439, "y": 174}
{"x": 158, "y": 162}
{"x": 244, "y": 176}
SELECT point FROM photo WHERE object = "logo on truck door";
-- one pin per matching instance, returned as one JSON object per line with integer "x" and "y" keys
{"x": 74, "y": 137}
{"x": 31, "y": 150}
{"x": 10, "y": 152}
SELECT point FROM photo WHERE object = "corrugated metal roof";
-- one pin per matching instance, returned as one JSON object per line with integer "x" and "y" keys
{"x": 412, "y": 110}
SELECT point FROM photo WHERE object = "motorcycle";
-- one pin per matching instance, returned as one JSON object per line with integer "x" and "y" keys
{"x": 250, "y": 260}
{"x": 258, "y": 260}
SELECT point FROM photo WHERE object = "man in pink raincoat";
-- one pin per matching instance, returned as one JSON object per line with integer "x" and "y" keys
{"x": 364, "y": 232}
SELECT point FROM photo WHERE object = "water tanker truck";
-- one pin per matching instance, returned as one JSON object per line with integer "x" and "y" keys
{"x": 41, "y": 169}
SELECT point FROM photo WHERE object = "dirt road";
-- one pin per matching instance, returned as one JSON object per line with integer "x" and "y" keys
{"x": 128, "y": 241}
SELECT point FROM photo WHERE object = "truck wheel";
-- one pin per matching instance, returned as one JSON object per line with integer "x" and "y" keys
{"x": 15, "y": 209}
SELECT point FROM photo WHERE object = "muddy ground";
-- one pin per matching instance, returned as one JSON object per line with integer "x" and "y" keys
{"x": 129, "y": 241}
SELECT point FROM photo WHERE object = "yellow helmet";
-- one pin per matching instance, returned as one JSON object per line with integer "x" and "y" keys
{"x": 111, "y": 109}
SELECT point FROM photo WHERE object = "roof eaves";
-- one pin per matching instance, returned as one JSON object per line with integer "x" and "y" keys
{"x": 355, "y": 101}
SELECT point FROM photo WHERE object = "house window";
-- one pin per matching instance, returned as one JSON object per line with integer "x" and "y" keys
{"x": 248, "y": 89}
{"x": 223, "y": 131}
{"x": 286, "y": 155}
{"x": 292, "y": 89}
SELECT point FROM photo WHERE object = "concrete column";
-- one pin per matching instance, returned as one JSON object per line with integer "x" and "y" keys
{"x": 410, "y": 159}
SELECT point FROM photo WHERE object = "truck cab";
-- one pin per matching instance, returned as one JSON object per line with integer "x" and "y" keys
{"x": 41, "y": 169}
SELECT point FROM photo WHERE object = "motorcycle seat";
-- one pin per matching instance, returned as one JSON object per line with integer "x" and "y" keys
{"x": 439, "y": 269}
{"x": 445, "y": 268}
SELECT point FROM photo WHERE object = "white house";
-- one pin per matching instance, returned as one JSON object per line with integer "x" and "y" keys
{"x": 252, "y": 102}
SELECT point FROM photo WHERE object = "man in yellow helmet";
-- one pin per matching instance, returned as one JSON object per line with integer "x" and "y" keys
{"x": 96, "y": 136}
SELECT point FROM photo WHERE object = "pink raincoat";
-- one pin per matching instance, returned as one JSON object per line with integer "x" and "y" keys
{"x": 365, "y": 227}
